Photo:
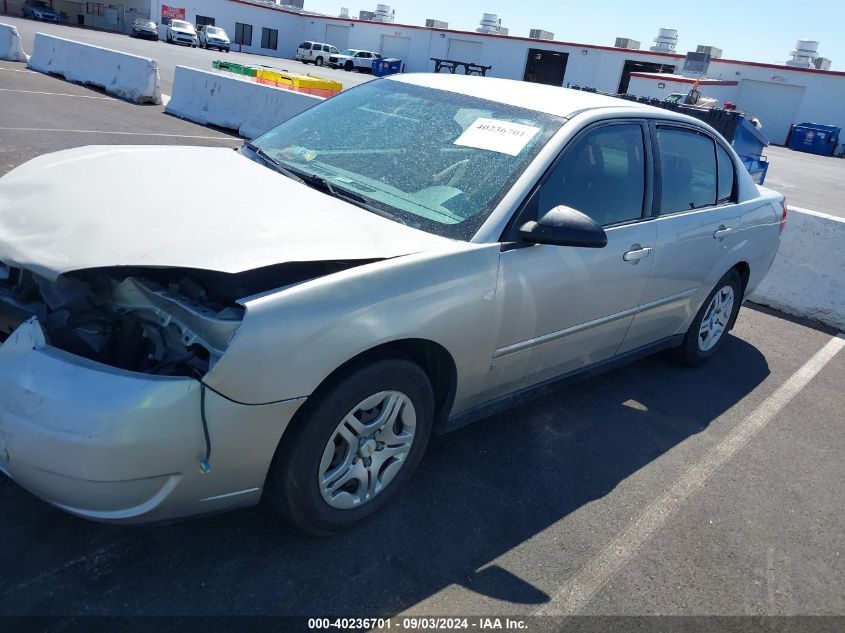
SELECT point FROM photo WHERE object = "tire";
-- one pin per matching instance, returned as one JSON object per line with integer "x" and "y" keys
{"x": 318, "y": 61}
{"x": 701, "y": 342}
{"x": 317, "y": 445}
{"x": 348, "y": 66}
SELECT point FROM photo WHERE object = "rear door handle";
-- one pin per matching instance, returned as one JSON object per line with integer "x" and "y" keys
{"x": 637, "y": 254}
{"x": 722, "y": 232}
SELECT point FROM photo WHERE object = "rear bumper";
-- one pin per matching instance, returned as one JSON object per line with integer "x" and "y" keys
{"x": 112, "y": 445}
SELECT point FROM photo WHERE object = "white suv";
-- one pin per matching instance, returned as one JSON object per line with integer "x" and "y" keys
{"x": 353, "y": 58}
{"x": 316, "y": 52}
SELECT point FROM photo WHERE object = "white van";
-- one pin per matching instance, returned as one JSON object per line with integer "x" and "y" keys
{"x": 317, "y": 52}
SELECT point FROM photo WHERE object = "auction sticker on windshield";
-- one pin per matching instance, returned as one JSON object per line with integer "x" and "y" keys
{"x": 494, "y": 135}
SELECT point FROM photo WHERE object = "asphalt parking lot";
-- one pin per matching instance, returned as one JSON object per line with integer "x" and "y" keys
{"x": 653, "y": 489}
{"x": 171, "y": 55}
{"x": 807, "y": 180}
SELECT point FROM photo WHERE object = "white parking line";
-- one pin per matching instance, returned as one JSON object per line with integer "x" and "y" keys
{"x": 19, "y": 70}
{"x": 58, "y": 94}
{"x": 581, "y": 588}
{"x": 165, "y": 99}
{"x": 44, "y": 129}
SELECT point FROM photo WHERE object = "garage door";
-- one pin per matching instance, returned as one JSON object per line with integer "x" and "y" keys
{"x": 465, "y": 51}
{"x": 776, "y": 105}
{"x": 337, "y": 36}
{"x": 398, "y": 47}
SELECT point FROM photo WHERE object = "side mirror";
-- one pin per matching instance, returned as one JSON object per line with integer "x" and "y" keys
{"x": 564, "y": 226}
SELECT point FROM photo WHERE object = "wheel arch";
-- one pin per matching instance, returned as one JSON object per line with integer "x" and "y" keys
{"x": 744, "y": 270}
{"x": 434, "y": 359}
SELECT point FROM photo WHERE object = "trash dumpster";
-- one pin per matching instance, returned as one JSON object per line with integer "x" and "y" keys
{"x": 749, "y": 142}
{"x": 390, "y": 66}
{"x": 814, "y": 138}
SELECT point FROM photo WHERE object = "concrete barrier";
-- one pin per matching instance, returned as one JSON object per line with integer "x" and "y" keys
{"x": 11, "y": 48}
{"x": 127, "y": 76}
{"x": 807, "y": 278}
{"x": 233, "y": 102}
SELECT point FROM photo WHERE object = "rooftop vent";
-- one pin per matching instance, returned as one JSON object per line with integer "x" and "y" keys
{"x": 540, "y": 34}
{"x": 714, "y": 52}
{"x": 804, "y": 53}
{"x": 436, "y": 24}
{"x": 822, "y": 63}
{"x": 383, "y": 13}
{"x": 490, "y": 23}
{"x": 666, "y": 41}
{"x": 627, "y": 42}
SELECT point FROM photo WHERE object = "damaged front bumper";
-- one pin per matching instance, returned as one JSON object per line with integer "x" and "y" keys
{"x": 114, "y": 445}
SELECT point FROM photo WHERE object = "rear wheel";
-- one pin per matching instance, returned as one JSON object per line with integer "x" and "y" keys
{"x": 318, "y": 61}
{"x": 353, "y": 447}
{"x": 709, "y": 328}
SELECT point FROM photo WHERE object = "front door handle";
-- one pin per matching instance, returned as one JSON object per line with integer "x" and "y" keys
{"x": 722, "y": 232}
{"x": 637, "y": 253}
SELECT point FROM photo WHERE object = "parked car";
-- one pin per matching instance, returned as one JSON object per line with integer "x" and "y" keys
{"x": 144, "y": 28}
{"x": 181, "y": 32}
{"x": 164, "y": 361}
{"x": 39, "y": 10}
{"x": 353, "y": 58}
{"x": 214, "y": 37}
{"x": 316, "y": 52}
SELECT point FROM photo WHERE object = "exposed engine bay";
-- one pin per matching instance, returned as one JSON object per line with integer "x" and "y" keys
{"x": 163, "y": 321}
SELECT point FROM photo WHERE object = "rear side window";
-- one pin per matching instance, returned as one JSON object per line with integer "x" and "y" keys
{"x": 726, "y": 176}
{"x": 602, "y": 175}
{"x": 306, "y": 46}
{"x": 688, "y": 170}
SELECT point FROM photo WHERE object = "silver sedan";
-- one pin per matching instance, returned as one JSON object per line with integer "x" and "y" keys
{"x": 298, "y": 330}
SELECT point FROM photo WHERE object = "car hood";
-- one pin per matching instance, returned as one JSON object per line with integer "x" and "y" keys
{"x": 221, "y": 38}
{"x": 191, "y": 207}
{"x": 182, "y": 31}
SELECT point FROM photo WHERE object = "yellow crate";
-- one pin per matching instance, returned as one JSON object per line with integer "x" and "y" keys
{"x": 311, "y": 84}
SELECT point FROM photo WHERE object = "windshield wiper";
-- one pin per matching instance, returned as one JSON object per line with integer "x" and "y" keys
{"x": 273, "y": 163}
{"x": 341, "y": 193}
{"x": 320, "y": 183}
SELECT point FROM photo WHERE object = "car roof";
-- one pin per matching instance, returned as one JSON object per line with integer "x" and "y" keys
{"x": 554, "y": 100}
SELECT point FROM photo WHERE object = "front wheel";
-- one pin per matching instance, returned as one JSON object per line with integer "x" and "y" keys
{"x": 353, "y": 447}
{"x": 710, "y": 326}
{"x": 318, "y": 61}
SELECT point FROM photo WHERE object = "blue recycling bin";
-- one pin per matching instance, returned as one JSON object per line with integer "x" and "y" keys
{"x": 384, "y": 67}
{"x": 749, "y": 142}
{"x": 814, "y": 138}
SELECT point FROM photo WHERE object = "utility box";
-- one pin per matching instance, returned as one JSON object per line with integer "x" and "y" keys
{"x": 814, "y": 138}
{"x": 384, "y": 67}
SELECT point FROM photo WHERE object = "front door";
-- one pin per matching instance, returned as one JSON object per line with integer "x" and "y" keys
{"x": 563, "y": 308}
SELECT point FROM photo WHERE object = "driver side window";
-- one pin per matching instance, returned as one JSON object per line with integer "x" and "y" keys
{"x": 602, "y": 175}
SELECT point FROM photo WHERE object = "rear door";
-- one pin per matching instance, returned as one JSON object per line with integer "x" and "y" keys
{"x": 697, "y": 228}
{"x": 563, "y": 308}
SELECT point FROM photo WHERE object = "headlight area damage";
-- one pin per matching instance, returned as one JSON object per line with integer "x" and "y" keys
{"x": 159, "y": 321}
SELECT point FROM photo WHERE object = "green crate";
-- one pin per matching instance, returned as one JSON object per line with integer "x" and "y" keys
{"x": 238, "y": 69}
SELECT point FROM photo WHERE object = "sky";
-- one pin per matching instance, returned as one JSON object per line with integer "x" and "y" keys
{"x": 753, "y": 30}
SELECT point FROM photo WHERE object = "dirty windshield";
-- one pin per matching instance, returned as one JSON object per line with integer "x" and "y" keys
{"x": 436, "y": 160}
